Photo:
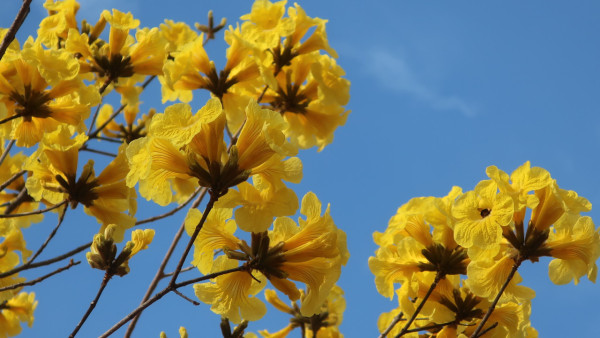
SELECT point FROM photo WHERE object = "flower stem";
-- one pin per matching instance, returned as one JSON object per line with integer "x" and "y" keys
{"x": 105, "y": 280}
{"x": 495, "y": 302}
{"x": 438, "y": 277}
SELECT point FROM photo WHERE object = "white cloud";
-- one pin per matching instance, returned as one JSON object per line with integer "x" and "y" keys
{"x": 394, "y": 73}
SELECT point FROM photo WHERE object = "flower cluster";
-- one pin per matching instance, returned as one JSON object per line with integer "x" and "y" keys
{"x": 280, "y": 91}
{"x": 458, "y": 255}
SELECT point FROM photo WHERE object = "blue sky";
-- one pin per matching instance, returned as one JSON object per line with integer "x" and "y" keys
{"x": 439, "y": 92}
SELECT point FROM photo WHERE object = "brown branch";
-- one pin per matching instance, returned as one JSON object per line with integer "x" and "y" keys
{"x": 39, "y": 279}
{"x": 28, "y": 266}
{"x": 12, "y": 179}
{"x": 167, "y": 214}
{"x": 12, "y": 31}
{"x": 163, "y": 292}
{"x": 14, "y": 204}
{"x": 391, "y": 326}
{"x": 438, "y": 277}
{"x": 495, "y": 302}
{"x": 7, "y": 150}
{"x": 85, "y": 148}
{"x": 429, "y": 327}
{"x": 493, "y": 326}
{"x": 105, "y": 280}
{"x": 211, "y": 202}
{"x": 36, "y": 212}
{"x": 112, "y": 117}
{"x": 186, "y": 298}
{"x": 189, "y": 268}
{"x": 160, "y": 273}
{"x": 51, "y": 235}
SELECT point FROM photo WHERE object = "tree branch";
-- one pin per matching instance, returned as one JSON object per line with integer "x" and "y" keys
{"x": 495, "y": 302}
{"x": 7, "y": 150}
{"x": 12, "y": 31}
{"x": 28, "y": 266}
{"x": 167, "y": 214}
{"x": 160, "y": 273}
{"x": 438, "y": 277}
{"x": 36, "y": 212}
{"x": 12, "y": 179}
{"x": 105, "y": 281}
{"x": 39, "y": 279}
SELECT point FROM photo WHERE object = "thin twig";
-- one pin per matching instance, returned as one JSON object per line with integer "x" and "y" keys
{"x": 105, "y": 280}
{"x": 189, "y": 268}
{"x": 210, "y": 276}
{"x": 36, "y": 212}
{"x": 429, "y": 327}
{"x": 7, "y": 150}
{"x": 186, "y": 297}
{"x": 60, "y": 220}
{"x": 167, "y": 214}
{"x": 161, "y": 269}
{"x": 391, "y": 326}
{"x": 12, "y": 179}
{"x": 495, "y": 302}
{"x": 85, "y": 148}
{"x": 28, "y": 266}
{"x": 10, "y": 118}
{"x": 162, "y": 293}
{"x": 101, "y": 91}
{"x": 12, "y": 31}
{"x": 113, "y": 140}
{"x": 488, "y": 329}
{"x": 438, "y": 277}
{"x": 39, "y": 279}
{"x": 99, "y": 129}
{"x": 211, "y": 202}
{"x": 14, "y": 204}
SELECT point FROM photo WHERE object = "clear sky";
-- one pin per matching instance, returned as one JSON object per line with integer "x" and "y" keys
{"x": 440, "y": 90}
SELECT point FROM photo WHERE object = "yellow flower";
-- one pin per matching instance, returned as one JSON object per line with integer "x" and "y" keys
{"x": 486, "y": 277}
{"x": 105, "y": 197}
{"x": 522, "y": 181}
{"x": 312, "y": 254}
{"x": 192, "y": 69}
{"x": 230, "y": 294}
{"x": 8, "y": 168}
{"x": 396, "y": 264}
{"x": 103, "y": 252}
{"x": 123, "y": 56}
{"x": 480, "y": 215}
{"x": 13, "y": 241}
{"x": 576, "y": 249}
{"x": 184, "y": 147}
{"x": 34, "y": 109}
{"x": 216, "y": 234}
{"x": 265, "y": 23}
{"x": 259, "y": 204}
{"x": 310, "y": 94}
{"x": 326, "y": 323}
{"x": 17, "y": 309}
{"x": 177, "y": 34}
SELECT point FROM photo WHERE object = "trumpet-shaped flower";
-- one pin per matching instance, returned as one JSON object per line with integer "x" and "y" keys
{"x": 230, "y": 294}
{"x": 216, "y": 234}
{"x": 259, "y": 203}
{"x": 105, "y": 197}
{"x": 480, "y": 215}
{"x": 41, "y": 90}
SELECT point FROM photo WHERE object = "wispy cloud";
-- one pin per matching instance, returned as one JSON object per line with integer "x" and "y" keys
{"x": 393, "y": 72}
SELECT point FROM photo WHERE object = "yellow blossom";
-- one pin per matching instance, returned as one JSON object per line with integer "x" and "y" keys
{"x": 230, "y": 294}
